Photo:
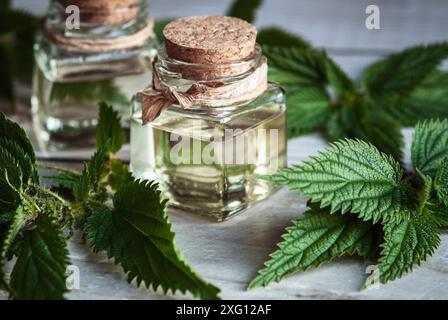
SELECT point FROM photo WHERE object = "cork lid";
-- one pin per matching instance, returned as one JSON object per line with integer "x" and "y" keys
{"x": 210, "y": 39}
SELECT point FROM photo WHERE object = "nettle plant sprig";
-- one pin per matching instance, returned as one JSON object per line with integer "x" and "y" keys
{"x": 396, "y": 91}
{"x": 117, "y": 214}
{"x": 399, "y": 90}
{"x": 362, "y": 202}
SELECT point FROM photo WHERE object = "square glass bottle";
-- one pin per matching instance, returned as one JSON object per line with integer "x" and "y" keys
{"x": 211, "y": 121}
{"x": 104, "y": 58}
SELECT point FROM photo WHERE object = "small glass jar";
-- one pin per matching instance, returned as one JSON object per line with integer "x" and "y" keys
{"x": 205, "y": 156}
{"x": 106, "y": 59}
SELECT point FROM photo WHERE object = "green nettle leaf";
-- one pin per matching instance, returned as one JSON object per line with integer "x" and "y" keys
{"x": 39, "y": 272}
{"x": 82, "y": 188}
{"x": 96, "y": 166}
{"x": 428, "y": 101}
{"x": 309, "y": 109}
{"x": 316, "y": 238}
{"x": 109, "y": 128}
{"x": 383, "y": 131}
{"x": 10, "y": 182}
{"x": 244, "y": 9}
{"x": 301, "y": 72}
{"x": 296, "y": 66}
{"x": 65, "y": 179}
{"x": 352, "y": 176}
{"x": 93, "y": 172}
{"x": 119, "y": 174}
{"x": 19, "y": 221}
{"x": 406, "y": 244}
{"x": 274, "y": 36}
{"x": 441, "y": 182}
{"x": 138, "y": 235}
{"x": 21, "y": 158}
{"x": 440, "y": 215}
{"x": 338, "y": 79}
{"x": 437, "y": 80}
{"x": 289, "y": 81}
{"x": 341, "y": 124}
{"x": 424, "y": 194}
{"x": 12, "y": 131}
{"x": 136, "y": 231}
{"x": 3, "y": 283}
{"x": 9, "y": 227}
{"x": 400, "y": 73}
{"x": 429, "y": 146}
{"x": 89, "y": 91}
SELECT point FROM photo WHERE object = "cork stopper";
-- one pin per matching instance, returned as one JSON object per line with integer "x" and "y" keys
{"x": 104, "y": 11}
{"x": 210, "y": 39}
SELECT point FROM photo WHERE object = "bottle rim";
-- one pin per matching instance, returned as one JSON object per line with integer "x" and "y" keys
{"x": 172, "y": 71}
{"x": 97, "y": 22}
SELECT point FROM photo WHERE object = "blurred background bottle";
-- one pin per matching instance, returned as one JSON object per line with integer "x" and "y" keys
{"x": 106, "y": 57}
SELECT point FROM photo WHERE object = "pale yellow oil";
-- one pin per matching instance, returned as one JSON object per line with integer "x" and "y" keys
{"x": 65, "y": 113}
{"x": 215, "y": 180}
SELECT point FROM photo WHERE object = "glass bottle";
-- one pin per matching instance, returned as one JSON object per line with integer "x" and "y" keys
{"x": 105, "y": 58}
{"x": 205, "y": 157}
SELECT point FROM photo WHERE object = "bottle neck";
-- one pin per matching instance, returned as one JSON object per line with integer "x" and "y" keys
{"x": 96, "y": 19}
{"x": 204, "y": 88}
{"x": 174, "y": 72}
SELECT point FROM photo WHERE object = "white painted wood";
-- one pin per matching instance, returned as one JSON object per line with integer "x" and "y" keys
{"x": 328, "y": 23}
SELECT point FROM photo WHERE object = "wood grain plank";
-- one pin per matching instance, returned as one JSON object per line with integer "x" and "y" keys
{"x": 229, "y": 254}
{"x": 328, "y": 23}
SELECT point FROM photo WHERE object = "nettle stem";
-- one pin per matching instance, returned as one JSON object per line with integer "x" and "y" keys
{"x": 57, "y": 168}
{"x": 98, "y": 204}
{"x": 52, "y": 194}
{"x": 30, "y": 203}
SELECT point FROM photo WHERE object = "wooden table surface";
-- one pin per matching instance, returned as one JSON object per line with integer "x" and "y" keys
{"x": 229, "y": 254}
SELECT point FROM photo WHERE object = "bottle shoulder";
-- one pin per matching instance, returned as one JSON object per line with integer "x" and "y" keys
{"x": 274, "y": 87}
{"x": 60, "y": 64}
{"x": 274, "y": 93}
{"x": 270, "y": 104}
